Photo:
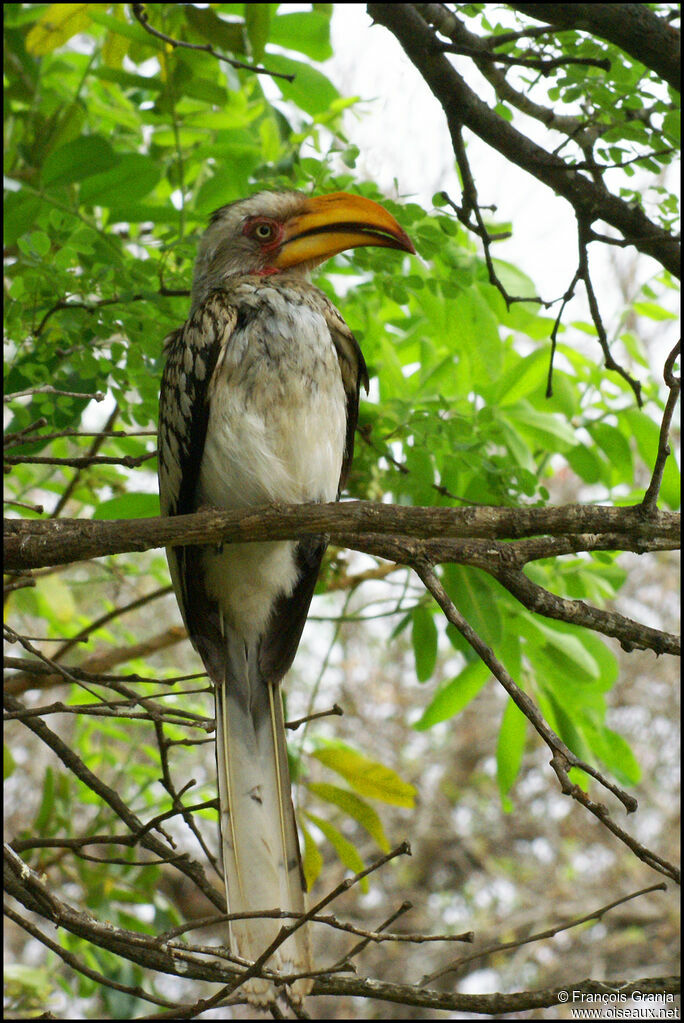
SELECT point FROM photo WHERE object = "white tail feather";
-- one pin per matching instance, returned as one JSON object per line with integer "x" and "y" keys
{"x": 261, "y": 859}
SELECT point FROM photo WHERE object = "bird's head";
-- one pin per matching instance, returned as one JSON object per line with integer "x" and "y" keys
{"x": 271, "y": 232}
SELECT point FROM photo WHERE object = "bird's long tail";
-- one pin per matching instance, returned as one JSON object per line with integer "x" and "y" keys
{"x": 261, "y": 858}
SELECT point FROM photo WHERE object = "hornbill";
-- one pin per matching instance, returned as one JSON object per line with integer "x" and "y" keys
{"x": 259, "y": 403}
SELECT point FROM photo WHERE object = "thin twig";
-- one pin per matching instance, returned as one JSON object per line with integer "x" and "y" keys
{"x": 543, "y": 65}
{"x": 651, "y": 495}
{"x": 49, "y": 389}
{"x": 563, "y": 758}
{"x": 18, "y": 436}
{"x": 91, "y": 307}
{"x": 335, "y": 710}
{"x": 360, "y": 945}
{"x": 42, "y": 438}
{"x": 38, "y": 508}
{"x": 82, "y": 461}
{"x": 73, "y": 482}
{"x": 541, "y": 935}
{"x": 141, "y": 16}
{"x": 584, "y": 238}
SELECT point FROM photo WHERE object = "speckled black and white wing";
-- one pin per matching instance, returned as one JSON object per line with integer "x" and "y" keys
{"x": 191, "y": 353}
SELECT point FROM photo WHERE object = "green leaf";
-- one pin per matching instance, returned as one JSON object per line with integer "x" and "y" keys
{"x": 476, "y": 596}
{"x": 542, "y": 429}
{"x": 616, "y": 447}
{"x": 20, "y": 213}
{"x": 8, "y": 761}
{"x": 478, "y": 334}
{"x": 133, "y": 31}
{"x": 310, "y": 90}
{"x": 312, "y": 861}
{"x": 424, "y": 637}
{"x": 224, "y": 35}
{"x": 653, "y": 311}
{"x": 344, "y": 849}
{"x": 355, "y": 807}
{"x": 128, "y": 506}
{"x": 307, "y": 32}
{"x": 510, "y": 749}
{"x": 58, "y": 24}
{"x": 78, "y": 160}
{"x": 367, "y": 777}
{"x": 647, "y": 434}
{"x": 587, "y": 464}
{"x": 56, "y": 599}
{"x": 526, "y": 376}
{"x": 569, "y": 651}
{"x": 615, "y": 753}
{"x": 672, "y": 126}
{"x": 257, "y": 25}
{"x": 132, "y": 176}
{"x": 451, "y": 698}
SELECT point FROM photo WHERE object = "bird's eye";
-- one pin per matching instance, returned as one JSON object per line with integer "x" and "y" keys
{"x": 263, "y": 232}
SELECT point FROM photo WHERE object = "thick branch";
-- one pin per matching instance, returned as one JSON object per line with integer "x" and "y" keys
{"x": 35, "y": 543}
{"x": 633, "y": 27}
{"x": 404, "y": 535}
{"x": 463, "y": 107}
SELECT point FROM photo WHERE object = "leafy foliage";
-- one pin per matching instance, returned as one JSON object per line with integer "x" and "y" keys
{"x": 118, "y": 146}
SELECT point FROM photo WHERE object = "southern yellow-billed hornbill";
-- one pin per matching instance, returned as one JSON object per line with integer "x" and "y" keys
{"x": 259, "y": 403}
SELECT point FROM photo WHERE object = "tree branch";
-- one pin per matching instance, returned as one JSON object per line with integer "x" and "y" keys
{"x": 141, "y": 16}
{"x": 185, "y": 963}
{"x": 633, "y": 27}
{"x": 674, "y": 384}
{"x": 35, "y": 543}
{"x": 462, "y": 106}
{"x": 563, "y": 759}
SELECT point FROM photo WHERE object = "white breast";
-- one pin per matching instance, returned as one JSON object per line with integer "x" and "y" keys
{"x": 276, "y": 432}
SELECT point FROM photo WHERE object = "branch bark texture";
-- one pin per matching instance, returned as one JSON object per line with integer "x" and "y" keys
{"x": 591, "y": 199}
{"x": 34, "y": 543}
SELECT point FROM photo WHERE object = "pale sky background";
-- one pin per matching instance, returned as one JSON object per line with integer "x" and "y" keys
{"x": 401, "y": 131}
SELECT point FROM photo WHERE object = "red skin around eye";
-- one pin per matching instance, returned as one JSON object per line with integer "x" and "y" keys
{"x": 267, "y": 245}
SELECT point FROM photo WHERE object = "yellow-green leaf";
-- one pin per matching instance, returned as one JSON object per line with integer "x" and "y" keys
{"x": 56, "y": 599}
{"x": 312, "y": 862}
{"x": 344, "y": 849}
{"x": 355, "y": 807}
{"x": 58, "y": 24}
{"x": 367, "y": 777}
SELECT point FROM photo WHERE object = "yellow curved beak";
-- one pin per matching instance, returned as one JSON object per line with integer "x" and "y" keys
{"x": 329, "y": 224}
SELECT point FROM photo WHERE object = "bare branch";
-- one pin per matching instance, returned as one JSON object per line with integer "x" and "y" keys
{"x": 597, "y": 914}
{"x": 141, "y": 16}
{"x": 35, "y": 543}
{"x": 541, "y": 65}
{"x": 463, "y": 107}
{"x": 49, "y": 389}
{"x": 651, "y": 496}
{"x": 82, "y": 461}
